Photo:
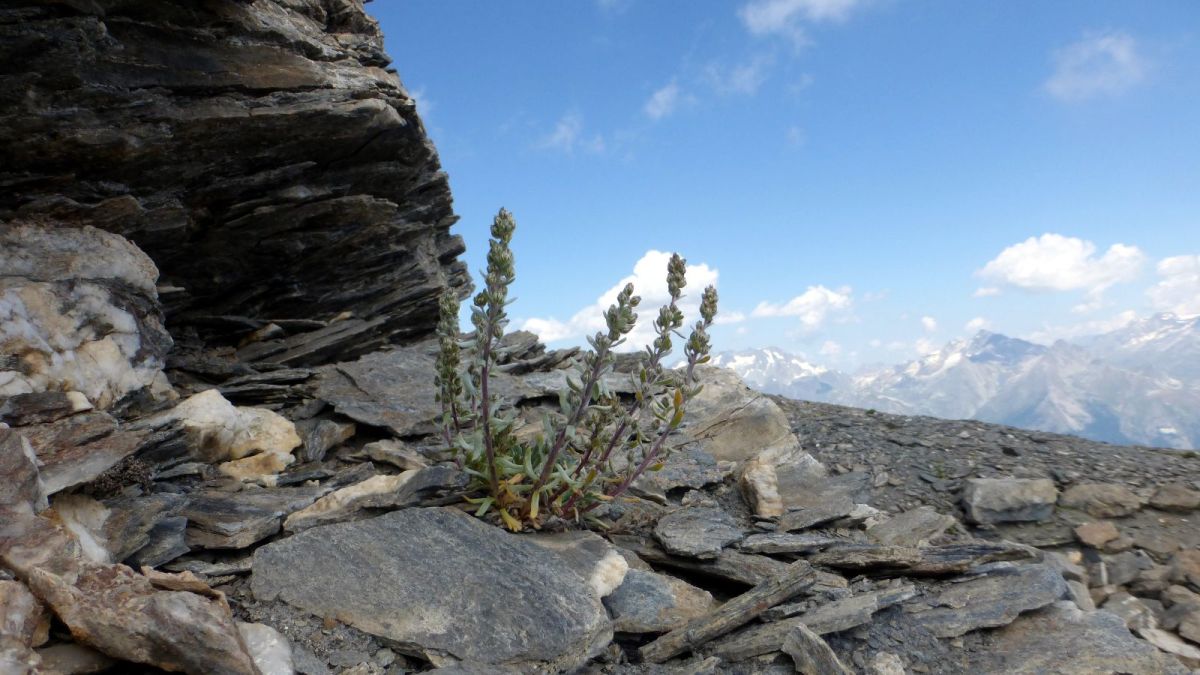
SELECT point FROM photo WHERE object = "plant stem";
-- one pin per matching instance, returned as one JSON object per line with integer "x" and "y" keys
{"x": 585, "y": 397}
{"x": 485, "y": 411}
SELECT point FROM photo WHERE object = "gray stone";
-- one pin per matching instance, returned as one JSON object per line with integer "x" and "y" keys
{"x": 1101, "y": 500}
{"x": 832, "y": 617}
{"x": 20, "y": 484}
{"x": 392, "y": 390}
{"x": 42, "y": 407}
{"x": 811, "y": 654}
{"x": 1132, "y": 611}
{"x": 79, "y": 448}
{"x": 74, "y": 659}
{"x": 730, "y": 421}
{"x": 1123, "y": 568}
{"x": 774, "y": 543}
{"x": 319, "y": 436}
{"x": 994, "y": 599}
{"x": 1065, "y": 640}
{"x": 688, "y": 468}
{"x": 592, "y": 557}
{"x": 232, "y": 520}
{"x": 1009, "y": 500}
{"x": 396, "y": 453}
{"x": 697, "y": 532}
{"x": 648, "y": 602}
{"x": 132, "y": 519}
{"x": 911, "y": 528}
{"x": 1080, "y": 596}
{"x": 400, "y": 576}
{"x": 380, "y": 491}
{"x": 817, "y": 514}
{"x": 1176, "y": 497}
{"x": 166, "y": 541}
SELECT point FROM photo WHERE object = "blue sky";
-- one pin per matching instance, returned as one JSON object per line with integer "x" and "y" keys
{"x": 863, "y": 179}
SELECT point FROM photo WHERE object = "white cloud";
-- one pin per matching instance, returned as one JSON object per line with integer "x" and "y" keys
{"x": 726, "y": 318}
{"x": 831, "y": 349}
{"x": 876, "y": 343}
{"x": 977, "y": 324}
{"x": 649, "y": 279}
{"x": 1053, "y": 262}
{"x": 743, "y": 79}
{"x": 813, "y": 306}
{"x": 1048, "y": 333}
{"x": 1101, "y": 64}
{"x": 1179, "y": 290}
{"x": 664, "y": 101}
{"x": 986, "y": 292}
{"x": 787, "y": 17}
{"x": 929, "y": 323}
{"x": 568, "y": 135}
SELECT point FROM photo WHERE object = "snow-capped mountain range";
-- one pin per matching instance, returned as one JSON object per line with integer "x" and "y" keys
{"x": 1137, "y": 385}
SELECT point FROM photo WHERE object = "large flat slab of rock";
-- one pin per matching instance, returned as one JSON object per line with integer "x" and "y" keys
{"x": 392, "y": 390}
{"x": 1065, "y": 640}
{"x": 991, "y": 600}
{"x": 1009, "y": 500}
{"x": 442, "y": 584}
{"x": 697, "y": 532}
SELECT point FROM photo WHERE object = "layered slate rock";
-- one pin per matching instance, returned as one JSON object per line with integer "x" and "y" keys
{"x": 697, "y": 532}
{"x": 260, "y": 153}
{"x": 442, "y": 584}
{"x": 1063, "y": 639}
{"x": 991, "y": 600}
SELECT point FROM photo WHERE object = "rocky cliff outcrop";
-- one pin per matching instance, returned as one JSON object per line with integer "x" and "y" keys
{"x": 260, "y": 152}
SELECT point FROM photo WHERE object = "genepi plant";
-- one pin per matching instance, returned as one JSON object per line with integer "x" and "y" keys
{"x": 600, "y": 444}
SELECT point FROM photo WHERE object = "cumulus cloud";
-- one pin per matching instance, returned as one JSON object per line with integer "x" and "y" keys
{"x": 788, "y": 17}
{"x": 741, "y": 79}
{"x": 568, "y": 135}
{"x": 649, "y": 279}
{"x": 977, "y": 324}
{"x": 664, "y": 101}
{"x": 986, "y": 292}
{"x": 929, "y": 323}
{"x": 1178, "y": 291}
{"x": 726, "y": 318}
{"x": 1053, "y": 262}
{"x": 814, "y": 306}
{"x": 1099, "y": 65}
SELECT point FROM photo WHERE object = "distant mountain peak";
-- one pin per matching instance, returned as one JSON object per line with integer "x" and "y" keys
{"x": 1138, "y": 384}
